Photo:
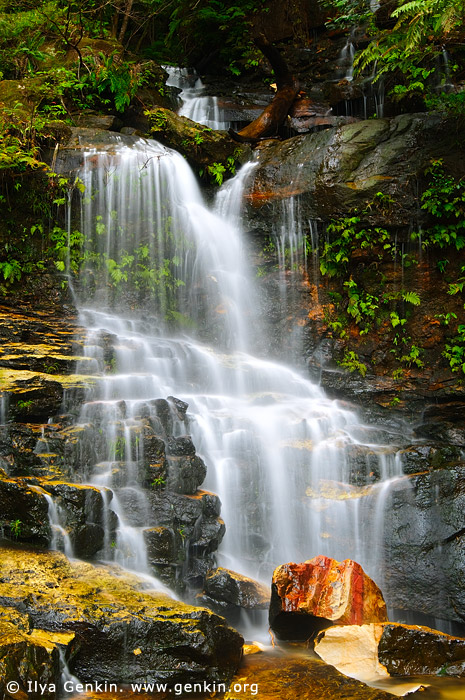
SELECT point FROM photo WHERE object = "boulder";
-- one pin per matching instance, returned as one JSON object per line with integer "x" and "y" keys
{"x": 313, "y": 595}
{"x": 409, "y": 649}
{"x": 391, "y": 649}
{"x": 125, "y": 635}
{"x": 201, "y": 145}
{"x": 227, "y": 593}
{"x": 185, "y": 473}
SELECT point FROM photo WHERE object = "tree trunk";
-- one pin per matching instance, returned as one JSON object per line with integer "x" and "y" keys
{"x": 269, "y": 121}
{"x": 124, "y": 26}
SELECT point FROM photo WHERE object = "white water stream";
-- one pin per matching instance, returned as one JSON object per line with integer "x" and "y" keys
{"x": 280, "y": 454}
{"x": 195, "y": 105}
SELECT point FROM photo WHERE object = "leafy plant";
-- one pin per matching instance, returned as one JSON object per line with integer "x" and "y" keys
{"x": 444, "y": 199}
{"x": 16, "y": 528}
{"x": 352, "y": 362}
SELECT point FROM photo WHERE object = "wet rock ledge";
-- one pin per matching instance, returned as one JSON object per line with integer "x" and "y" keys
{"x": 106, "y": 626}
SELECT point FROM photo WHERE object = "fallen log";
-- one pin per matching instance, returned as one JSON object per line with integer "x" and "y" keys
{"x": 269, "y": 121}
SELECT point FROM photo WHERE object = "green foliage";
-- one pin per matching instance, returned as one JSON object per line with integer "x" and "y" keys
{"x": 21, "y": 405}
{"x": 443, "y": 199}
{"x": 346, "y": 13}
{"x": 361, "y": 299}
{"x": 217, "y": 170}
{"x": 211, "y": 27}
{"x": 409, "y": 50}
{"x": 352, "y": 362}
{"x": 16, "y": 528}
{"x": 455, "y": 350}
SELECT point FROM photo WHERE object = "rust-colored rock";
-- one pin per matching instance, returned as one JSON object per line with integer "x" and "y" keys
{"x": 313, "y": 595}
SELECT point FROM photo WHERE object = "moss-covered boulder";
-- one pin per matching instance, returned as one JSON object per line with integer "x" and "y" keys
{"x": 201, "y": 145}
{"x": 125, "y": 634}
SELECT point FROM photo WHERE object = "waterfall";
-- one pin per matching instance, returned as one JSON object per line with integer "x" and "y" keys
{"x": 346, "y": 59}
{"x": 297, "y": 473}
{"x": 201, "y": 108}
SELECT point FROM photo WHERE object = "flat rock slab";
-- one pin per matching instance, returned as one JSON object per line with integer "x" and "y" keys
{"x": 124, "y": 634}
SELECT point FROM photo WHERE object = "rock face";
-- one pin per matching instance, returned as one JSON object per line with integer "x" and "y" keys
{"x": 123, "y": 633}
{"x": 227, "y": 593}
{"x": 342, "y": 168}
{"x": 30, "y": 656}
{"x": 429, "y": 506}
{"x": 383, "y": 649}
{"x": 308, "y": 597}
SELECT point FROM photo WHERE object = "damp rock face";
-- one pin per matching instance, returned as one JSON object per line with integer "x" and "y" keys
{"x": 410, "y": 649}
{"x": 342, "y": 168}
{"x": 124, "y": 634}
{"x": 313, "y": 595}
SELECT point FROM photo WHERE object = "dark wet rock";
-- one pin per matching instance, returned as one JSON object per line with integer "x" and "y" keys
{"x": 425, "y": 544}
{"x": 24, "y": 512}
{"x": 188, "y": 531}
{"x": 181, "y": 446}
{"x": 179, "y": 406}
{"x": 162, "y": 545}
{"x": 139, "y": 637}
{"x": 227, "y": 593}
{"x": 419, "y": 458}
{"x": 185, "y": 474}
{"x": 29, "y": 657}
{"x": 308, "y": 597}
{"x": 83, "y": 516}
{"x": 408, "y": 650}
{"x": 163, "y": 413}
{"x": 208, "y": 537}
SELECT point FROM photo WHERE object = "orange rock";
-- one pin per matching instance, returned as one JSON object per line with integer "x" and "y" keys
{"x": 315, "y": 594}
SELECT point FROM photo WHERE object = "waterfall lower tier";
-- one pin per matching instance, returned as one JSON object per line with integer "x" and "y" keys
{"x": 297, "y": 474}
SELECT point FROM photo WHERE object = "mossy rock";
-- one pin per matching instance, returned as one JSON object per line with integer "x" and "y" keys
{"x": 35, "y": 396}
{"x": 125, "y": 635}
{"x": 201, "y": 145}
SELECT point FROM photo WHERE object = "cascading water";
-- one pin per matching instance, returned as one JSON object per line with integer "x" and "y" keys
{"x": 297, "y": 473}
{"x": 195, "y": 105}
{"x": 346, "y": 60}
